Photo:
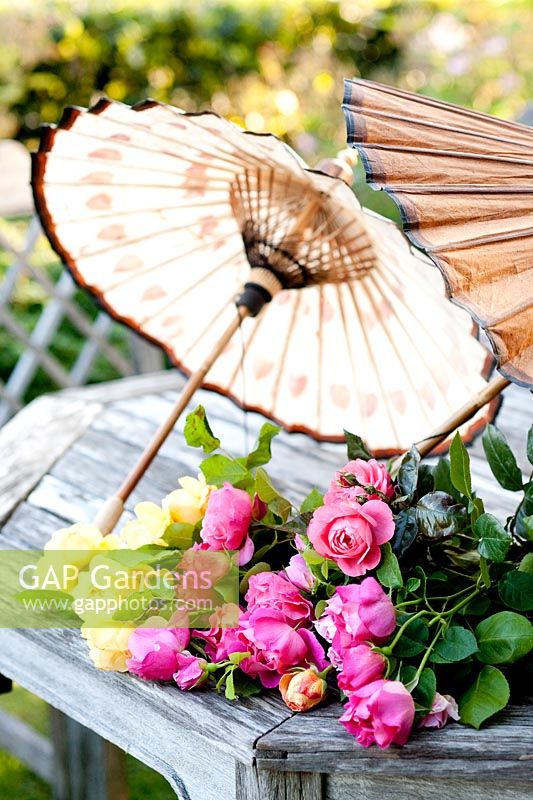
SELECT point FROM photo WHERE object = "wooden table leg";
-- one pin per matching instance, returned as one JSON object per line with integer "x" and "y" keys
{"x": 86, "y": 767}
{"x": 254, "y": 784}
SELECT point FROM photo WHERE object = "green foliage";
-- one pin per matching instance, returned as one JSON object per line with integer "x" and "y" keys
{"x": 313, "y": 501}
{"x": 356, "y": 447}
{"x": 179, "y": 535}
{"x": 439, "y": 515}
{"x": 198, "y": 432}
{"x": 407, "y": 479}
{"x": 501, "y": 459}
{"x": 494, "y": 541}
{"x": 262, "y": 453}
{"x": 460, "y": 467}
{"x": 442, "y": 480}
{"x": 516, "y": 588}
{"x": 218, "y": 469}
{"x": 405, "y": 531}
{"x": 486, "y": 696}
{"x": 504, "y": 638}
{"x": 457, "y": 644}
{"x": 388, "y": 572}
{"x": 413, "y": 639}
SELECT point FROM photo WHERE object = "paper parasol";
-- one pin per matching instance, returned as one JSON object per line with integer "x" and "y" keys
{"x": 464, "y": 184}
{"x": 166, "y": 216}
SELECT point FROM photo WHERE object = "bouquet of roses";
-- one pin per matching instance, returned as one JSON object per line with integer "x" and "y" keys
{"x": 400, "y": 595}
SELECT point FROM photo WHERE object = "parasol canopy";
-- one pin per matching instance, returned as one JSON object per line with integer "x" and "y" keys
{"x": 162, "y": 215}
{"x": 464, "y": 184}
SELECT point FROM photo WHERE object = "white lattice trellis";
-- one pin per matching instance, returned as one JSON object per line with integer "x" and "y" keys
{"x": 16, "y": 201}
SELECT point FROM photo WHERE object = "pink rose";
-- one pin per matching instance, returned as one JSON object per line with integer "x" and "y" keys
{"x": 190, "y": 672}
{"x": 275, "y": 647}
{"x": 360, "y": 665}
{"x": 299, "y": 573}
{"x": 227, "y": 520}
{"x": 356, "y": 613}
{"x": 154, "y": 652}
{"x": 351, "y": 535}
{"x": 444, "y": 706}
{"x": 381, "y": 712}
{"x": 270, "y": 590}
{"x": 217, "y": 639}
{"x": 367, "y": 474}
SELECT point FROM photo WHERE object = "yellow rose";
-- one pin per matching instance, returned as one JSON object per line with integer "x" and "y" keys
{"x": 82, "y": 538}
{"x": 148, "y": 528}
{"x": 189, "y": 503}
{"x": 108, "y": 647}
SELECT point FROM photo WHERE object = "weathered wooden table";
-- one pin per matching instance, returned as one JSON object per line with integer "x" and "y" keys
{"x": 58, "y": 459}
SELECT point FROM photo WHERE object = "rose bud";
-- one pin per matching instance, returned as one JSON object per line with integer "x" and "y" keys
{"x": 302, "y": 690}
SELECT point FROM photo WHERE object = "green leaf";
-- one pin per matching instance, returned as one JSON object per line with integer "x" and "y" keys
{"x": 198, "y": 432}
{"x": 457, "y": 644}
{"x": 438, "y": 515}
{"x": 460, "y": 467}
{"x": 424, "y": 692}
{"x": 413, "y": 640}
{"x": 262, "y": 453}
{"x": 486, "y": 696}
{"x": 501, "y": 459}
{"x": 356, "y": 447}
{"x": 313, "y": 501}
{"x": 442, "y": 480}
{"x": 407, "y": 479}
{"x": 388, "y": 572}
{"x": 312, "y": 557}
{"x": 179, "y": 535}
{"x": 530, "y": 445}
{"x": 405, "y": 531}
{"x": 504, "y": 638}
{"x": 526, "y": 564}
{"x": 526, "y": 528}
{"x": 245, "y": 686}
{"x": 494, "y": 541}
{"x": 229, "y": 690}
{"x": 523, "y": 521}
{"x": 516, "y": 589}
{"x": 267, "y": 492}
{"x": 237, "y": 658}
{"x": 476, "y": 509}
{"x": 413, "y": 584}
{"x": 219, "y": 469}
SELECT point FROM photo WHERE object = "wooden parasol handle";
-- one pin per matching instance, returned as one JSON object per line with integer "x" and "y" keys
{"x": 493, "y": 388}
{"x": 112, "y": 509}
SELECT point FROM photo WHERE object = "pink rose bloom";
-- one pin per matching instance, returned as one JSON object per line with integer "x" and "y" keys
{"x": 275, "y": 647}
{"x": 299, "y": 573}
{"x": 360, "y": 665}
{"x": 359, "y": 612}
{"x": 381, "y": 712}
{"x": 444, "y": 706}
{"x": 190, "y": 672}
{"x": 221, "y": 635}
{"x": 154, "y": 652}
{"x": 366, "y": 473}
{"x": 270, "y": 590}
{"x": 227, "y": 520}
{"x": 351, "y": 535}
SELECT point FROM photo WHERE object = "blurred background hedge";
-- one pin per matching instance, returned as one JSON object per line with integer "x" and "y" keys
{"x": 274, "y": 66}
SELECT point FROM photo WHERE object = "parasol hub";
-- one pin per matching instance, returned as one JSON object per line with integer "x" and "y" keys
{"x": 259, "y": 290}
